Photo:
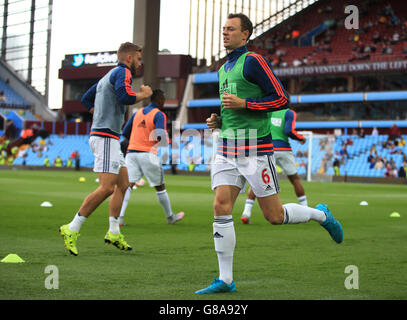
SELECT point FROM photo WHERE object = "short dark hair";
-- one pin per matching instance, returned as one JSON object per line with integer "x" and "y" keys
{"x": 244, "y": 21}
{"x": 127, "y": 48}
{"x": 157, "y": 94}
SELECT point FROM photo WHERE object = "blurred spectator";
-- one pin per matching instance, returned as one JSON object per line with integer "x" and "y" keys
{"x": 327, "y": 48}
{"x": 14, "y": 151}
{"x": 388, "y": 10}
{"x": 4, "y": 143}
{"x": 10, "y": 160}
{"x": 41, "y": 132}
{"x": 395, "y": 38}
{"x": 258, "y": 43}
{"x": 4, "y": 153}
{"x": 355, "y": 56}
{"x": 61, "y": 115}
{"x": 375, "y": 132}
{"x": 379, "y": 163}
{"x": 69, "y": 163}
{"x": 10, "y": 130}
{"x": 372, "y": 47}
{"x": 390, "y": 172}
{"x": 393, "y": 149}
{"x": 367, "y": 49}
{"x": 46, "y": 162}
{"x": 393, "y": 164}
{"x": 27, "y": 135}
{"x": 296, "y": 62}
{"x": 370, "y": 157}
{"x": 372, "y": 163}
{"x": 269, "y": 46}
{"x": 385, "y": 144}
{"x": 360, "y": 47}
{"x": 280, "y": 52}
{"x": 58, "y": 162}
{"x": 336, "y": 165}
{"x": 382, "y": 19}
{"x": 394, "y": 132}
{"x": 401, "y": 142}
{"x": 343, "y": 151}
{"x": 402, "y": 170}
{"x": 77, "y": 161}
{"x": 23, "y": 154}
{"x": 404, "y": 49}
{"x": 2, "y": 97}
{"x": 295, "y": 34}
{"x": 304, "y": 61}
{"x": 361, "y": 133}
{"x": 367, "y": 25}
{"x": 376, "y": 37}
{"x": 387, "y": 49}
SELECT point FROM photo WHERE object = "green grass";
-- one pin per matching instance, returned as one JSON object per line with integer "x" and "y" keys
{"x": 172, "y": 262}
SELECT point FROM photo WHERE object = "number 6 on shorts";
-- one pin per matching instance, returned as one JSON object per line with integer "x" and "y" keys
{"x": 265, "y": 176}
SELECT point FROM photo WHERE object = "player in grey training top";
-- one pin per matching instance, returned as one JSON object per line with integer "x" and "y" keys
{"x": 108, "y": 100}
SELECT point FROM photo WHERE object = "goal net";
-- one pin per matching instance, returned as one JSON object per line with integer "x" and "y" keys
{"x": 315, "y": 158}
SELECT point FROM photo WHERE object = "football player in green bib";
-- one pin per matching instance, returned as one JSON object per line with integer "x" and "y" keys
{"x": 248, "y": 90}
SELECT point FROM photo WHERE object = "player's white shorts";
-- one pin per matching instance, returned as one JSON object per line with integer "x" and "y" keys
{"x": 108, "y": 156}
{"x": 146, "y": 164}
{"x": 259, "y": 171}
{"x": 286, "y": 160}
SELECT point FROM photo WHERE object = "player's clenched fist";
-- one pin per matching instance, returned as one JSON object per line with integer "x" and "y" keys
{"x": 230, "y": 101}
{"x": 214, "y": 122}
{"x": 146, "y": 90}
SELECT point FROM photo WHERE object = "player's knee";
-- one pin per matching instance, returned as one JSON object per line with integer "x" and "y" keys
{"x": 222, "y": 208}
{"x": 276, "y": 218}
{"x": 107, "y": 190}
{"x": 123, "y": 188}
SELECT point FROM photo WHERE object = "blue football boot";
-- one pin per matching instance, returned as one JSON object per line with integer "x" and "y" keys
{"x": 218, "y": 286}
{"x": 331, "y": 224}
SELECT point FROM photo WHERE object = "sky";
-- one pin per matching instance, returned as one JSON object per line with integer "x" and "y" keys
{"x": 81, "y": 26}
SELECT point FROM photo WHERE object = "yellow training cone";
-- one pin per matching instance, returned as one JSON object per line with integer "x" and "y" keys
{"x": 12, "y": 258}
{"x": 82, "y": 179}
{"x": 395, "y": 215}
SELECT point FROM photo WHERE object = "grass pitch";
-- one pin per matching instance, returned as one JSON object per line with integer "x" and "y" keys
{"x": 171, "y": 262}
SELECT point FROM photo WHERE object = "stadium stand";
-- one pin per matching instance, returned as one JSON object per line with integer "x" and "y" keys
{"x": 195, "y": 154}
{"x": 314, "y": 36}
{"x": 323, "y": 39}
{"x": 54, "y": 146}
{"x": 355, "y": 162}
{"x": 10, "y": 98}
